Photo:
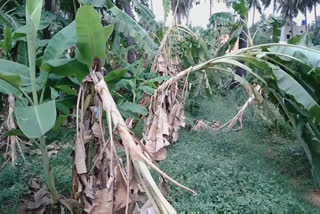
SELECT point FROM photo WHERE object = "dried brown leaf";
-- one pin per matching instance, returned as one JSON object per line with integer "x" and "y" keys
{"x": 96, "y": 131}
{"x": 164, "y": 186}
{"x": 34, "y": 184}
{"x": 89, "y": 189}
{"x": 103, "y": 202}
{"x": 120, "y": 190}
{"x": 80, "y": 156}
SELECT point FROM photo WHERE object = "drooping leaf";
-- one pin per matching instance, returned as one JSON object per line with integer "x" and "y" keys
{"x": 67, "y": 90}
{"x": 64, "y": 39}
{"x": 92, "y": 37}
{"x": 116, "y": 75}
{"x": 147, "y": 18}
{"x": 132, "y": 107}
{"x": 304, "y": 39}
{"x": 12, "y": 79}
{"x": 276, "y": 23}
{"x": 54, "y": 93}
{"x": 147, "y": 89}
{"x": 313, "y": 56}
{"x": 39, "y": 83}
{"x": 22, "y": 53}
{"x": 290, "y": 86}
{"x": 66, "y": 68}
{"x": 166, "y": 9}
{"x": 22, "y": 30}
{"x": 63, "y": 108}
{"x": 7, "y": 38}
{"x": 59, "y": 122}
{"x": 6, "y": 19}
{"x": 240, "y": 7}
{"x": 221, "y": 19}
{"x": 14, "y": 132}
{"x": 124, "y": 24}
{"x": 8, "y": 68}
{"x": 7, "y": 88}
{"x": 35, "y": 121}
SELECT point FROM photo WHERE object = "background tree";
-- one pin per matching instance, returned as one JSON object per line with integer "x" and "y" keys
{"x": 254, "y": 4}
{"x": 180, "y": 9}
{"x": 126, "y": 6}
{"x": 289, "y": 9}
{"x": 304, "y": 6}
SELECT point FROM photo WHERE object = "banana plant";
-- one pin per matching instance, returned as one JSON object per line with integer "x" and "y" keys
{"x": 289, "y": 75}
{"x": 35, "y": 113}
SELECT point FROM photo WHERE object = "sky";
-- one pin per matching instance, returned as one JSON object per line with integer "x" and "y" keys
{"x": 199, "y": 14}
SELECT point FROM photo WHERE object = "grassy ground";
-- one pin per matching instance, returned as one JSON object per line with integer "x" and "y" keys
{"x": 14, "y": 181}
{"x": 261, "y": 169}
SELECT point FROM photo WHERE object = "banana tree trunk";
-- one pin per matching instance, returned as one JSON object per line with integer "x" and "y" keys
{"x": 315, "y": 13}
{"x": 46, "y": 31}
{"x": 132, "y": 52}
{"x": 291, "y": 18}
{"x": 55, "y": 6}
{"x": 306, "y": 18}
{"x": 210, "y": 7}
{"x": 151, "y": 5}
{"x": 243, "y": 43}
{"x": 315, "y": 16}
{"x": 254, "y": 11}
{"x": 179, "y": 19}
{"x": 291, "y": 23}
{"x": 187, "y": 18}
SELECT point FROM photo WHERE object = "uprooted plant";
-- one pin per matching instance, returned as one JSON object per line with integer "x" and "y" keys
{"x": 268, "y": 64}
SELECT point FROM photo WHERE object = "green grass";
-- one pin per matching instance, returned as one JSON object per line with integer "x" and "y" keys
{"x": 238, "y": 172}
{"x": 14, "y": 181}
{"x": 232, "y": 172}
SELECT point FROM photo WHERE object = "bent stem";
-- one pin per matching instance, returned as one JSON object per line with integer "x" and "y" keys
{"x": 49, "y": 174}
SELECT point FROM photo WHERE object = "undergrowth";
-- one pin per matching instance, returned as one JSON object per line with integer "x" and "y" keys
{"x": 261, "y": 169}
{"x": 15, "y": 181}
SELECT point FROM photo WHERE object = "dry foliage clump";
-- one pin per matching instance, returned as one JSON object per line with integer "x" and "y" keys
{"x": 201, "y": 124}
{"x": 255, "y": 92}
{"x": 12, "y": 142}
{"x": 166, "y": 109}
{"x": 102, "y": 183}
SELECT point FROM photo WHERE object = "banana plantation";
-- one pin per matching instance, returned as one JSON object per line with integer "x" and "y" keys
{"x": 107, "y": 108}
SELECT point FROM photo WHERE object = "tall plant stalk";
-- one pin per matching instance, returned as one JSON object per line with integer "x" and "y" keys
{"x": 33, "y": 14}
{"x": 32, "y": 43}
{"x": 46, "y": 164}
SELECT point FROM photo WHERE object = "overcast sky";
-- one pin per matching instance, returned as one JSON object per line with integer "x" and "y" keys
{"x": 199, "y": 14}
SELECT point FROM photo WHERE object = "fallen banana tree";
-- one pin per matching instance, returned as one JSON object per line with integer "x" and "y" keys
{"x": 100, "y": 182}
{"x": 274, "y": 67}
{"x": 166, "y": 108}
{"x": 215, "y": 125}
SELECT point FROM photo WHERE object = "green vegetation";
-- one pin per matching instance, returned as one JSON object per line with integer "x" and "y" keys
{"x": 257, "y": 170}
{"x": 110, "y": 66}
{"x": 262, "y": 168}
{"x": 15, "y": 181}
